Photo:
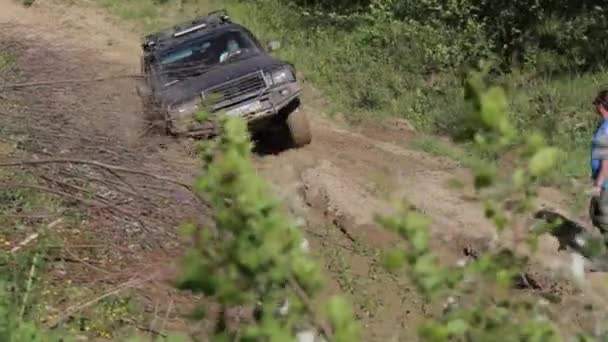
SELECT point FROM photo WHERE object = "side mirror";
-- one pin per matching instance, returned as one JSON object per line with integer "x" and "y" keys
{"x": 273, "y": 45}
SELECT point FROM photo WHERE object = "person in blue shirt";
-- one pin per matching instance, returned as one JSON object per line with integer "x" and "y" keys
{"x": 598, "y": 209}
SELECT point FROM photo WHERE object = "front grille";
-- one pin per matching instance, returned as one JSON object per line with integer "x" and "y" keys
{"x": 234, "y": 91}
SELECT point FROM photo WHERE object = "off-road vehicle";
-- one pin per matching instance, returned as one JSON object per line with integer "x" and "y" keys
{"x": 216, "y": 63}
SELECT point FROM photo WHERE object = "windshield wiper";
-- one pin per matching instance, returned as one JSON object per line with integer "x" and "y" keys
{"x": 187, "y": 73}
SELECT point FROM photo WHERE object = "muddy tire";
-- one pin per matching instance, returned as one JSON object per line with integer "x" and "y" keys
{"x": 154, "y": 122}
{"x": 299, "y": 128}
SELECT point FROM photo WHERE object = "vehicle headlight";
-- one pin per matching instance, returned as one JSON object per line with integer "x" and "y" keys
{"x": 282, "y": 75}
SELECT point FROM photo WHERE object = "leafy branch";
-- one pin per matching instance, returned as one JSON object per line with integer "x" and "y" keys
{"x": 480, "y": 305}
{"x": 253, "y": 255}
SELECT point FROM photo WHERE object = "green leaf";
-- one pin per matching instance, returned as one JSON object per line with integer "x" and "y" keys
{"x": 485, "y": 177}
{"x": 307, "y": 273}
{"x": 341, "y": 316}
{"x": 420, "y": 239}
{"x": 533, "y": 242}
{"x": 201, "y": 116}
{"x": 535, "y": 142}
{"x": 176, "y": 338}
{"x": 433, "y": 331}
{"x": 519, "y": 178}
{"x": 593, "y": 247}
{"x": 417, "y": 222}
{"x": 457, "y": 327}
{"x": 395, "y": 259}
{"x": 493, "y": 109}
{"x": 543, "y": 161}
{"x": 504, "y": 278}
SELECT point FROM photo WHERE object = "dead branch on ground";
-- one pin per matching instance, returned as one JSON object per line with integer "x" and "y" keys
{"x": 110, "y": 168}
{"x": 34, "y": 236}
{"x": 76, "y": 308}
{"x": 68, "y": 81}
{"x": 89, "y": 202}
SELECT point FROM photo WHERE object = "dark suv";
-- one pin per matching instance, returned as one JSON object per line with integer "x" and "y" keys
{"x": 218, "y": 64}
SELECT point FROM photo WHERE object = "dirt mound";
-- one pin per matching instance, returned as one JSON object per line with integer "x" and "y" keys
{"x": 346, "y": 205}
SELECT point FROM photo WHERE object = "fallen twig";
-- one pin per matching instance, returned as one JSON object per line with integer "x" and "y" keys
{"x": 25, "y": 242}
{"x": 113, "y": 185}
{"x": 28, "y": 289}
{"x": 77, "y": 246}
{"x": 162, "y": 327}
{"x": 155, "y": 314}
{"x": 73, "y": 309}
{"x": 73, "y": 187}
{"x": 68, "y": 81}
{"x": 145, "y": 329}
{"x": 86, "y": 263}
{"x": 303, "y": 297}
{"x": 111, "y": 168}
{"x": 29, "y": 217}
{"x": 89, "y": 202}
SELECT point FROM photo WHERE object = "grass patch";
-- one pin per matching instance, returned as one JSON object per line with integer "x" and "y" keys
{"x": 7, "y": 60}
{"x": 340, "y": 56}
{"x": 24, "y": 214}
{"x": 150, "y": 15}
{"x": 464, "y": 157}
{"x": 44, "y": 275}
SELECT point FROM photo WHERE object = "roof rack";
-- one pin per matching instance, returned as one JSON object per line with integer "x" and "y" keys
{"x": 213, "y": 18}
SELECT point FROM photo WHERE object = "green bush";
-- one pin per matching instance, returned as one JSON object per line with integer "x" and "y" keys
{"x": 253, "y": 253}
{"x": 480, "y": 303}
{"x": 405, "y": 59}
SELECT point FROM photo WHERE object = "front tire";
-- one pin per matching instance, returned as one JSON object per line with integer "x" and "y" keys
{"x": 299, "y": 127}
{"x": 153, "y": 120}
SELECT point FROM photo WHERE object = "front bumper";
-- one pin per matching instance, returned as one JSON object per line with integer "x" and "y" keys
{"x": 254, "y": 111}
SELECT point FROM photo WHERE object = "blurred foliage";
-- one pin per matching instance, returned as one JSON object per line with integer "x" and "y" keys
{"x": 253, "y": 255}
{"x": 480, "y": 303}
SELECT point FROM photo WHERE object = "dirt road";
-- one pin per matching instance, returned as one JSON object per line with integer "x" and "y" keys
{"x": 336, "y": 185}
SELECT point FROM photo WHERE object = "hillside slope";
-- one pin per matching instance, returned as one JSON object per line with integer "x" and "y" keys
{"x": 335, "y": 185}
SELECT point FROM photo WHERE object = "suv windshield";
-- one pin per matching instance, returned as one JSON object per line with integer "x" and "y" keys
{"x": 194, "y": 57}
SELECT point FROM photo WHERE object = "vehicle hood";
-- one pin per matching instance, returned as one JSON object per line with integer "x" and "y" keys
{"x": 191, "y": 88}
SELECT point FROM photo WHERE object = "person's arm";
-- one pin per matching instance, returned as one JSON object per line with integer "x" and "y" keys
{"x": 602, "y": 175}
{"x": 602, "y": 154}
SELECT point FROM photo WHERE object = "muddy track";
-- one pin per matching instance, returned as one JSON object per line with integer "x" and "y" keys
{"x": 336, "y": 184}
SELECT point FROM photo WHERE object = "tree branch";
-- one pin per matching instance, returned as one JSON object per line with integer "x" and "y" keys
{"x": 108, "y": 167}
{"x": 92, "y": 203}
{"x": 303, "y": 297}
{"x": 68, "y": 81}
{"x": 73, "y": 309}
